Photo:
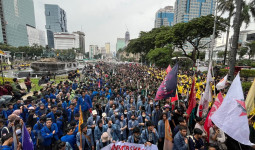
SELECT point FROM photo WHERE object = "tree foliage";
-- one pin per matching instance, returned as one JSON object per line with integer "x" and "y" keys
{"x": 161, "y": 56}
{"x": 251, "y": 49}
{"x": 221, "y": 54}
{"x": 242, "y": 51}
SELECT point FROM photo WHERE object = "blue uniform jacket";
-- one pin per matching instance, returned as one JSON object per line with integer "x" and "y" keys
{"x": 131, "y": 140}
{"x": 90, "y": 121}
{"x": 47, "y": 134}
{"x": 74, "y": 86}
{"x": 115, "y": 131}
{"x": 132, "y": 124}
{"x": 140, "y": 120}
{"x": 124, "y": 124}
{"x": 85, "y": 103}
{"x": 161, "y": 129}
{"x": 51, "y": 115}
{"x": 155, "y": 117}
{"x": 145, "y": 136}
{"x": 149, "y": 110}
{"x": 60, "y": 126}
{"x": 90, "y": 141}
{"x": 69, "y": 113}
{"x": 179, "y": 143}
{"x": 70, "y": 139}
{"x": 97, "y": 133}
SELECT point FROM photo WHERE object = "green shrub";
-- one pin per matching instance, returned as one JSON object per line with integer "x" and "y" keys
{"x": 223, "y": 72}
{"x": 246, "y": 86}
{"x": 247, "y": 73}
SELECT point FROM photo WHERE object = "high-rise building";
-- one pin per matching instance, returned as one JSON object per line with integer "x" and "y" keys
{"x": 164, "y": 17}
{"x": 15, "y": 16}
{"x": 127, "y": 38}
{"x": 93, "y": 50}
{"x": 64, "y": 40}
{"x": 120, "y": 43}
{"x": 55, "y": 22}
{"x": 35, "y": 36}
{"x": 186, "y": 10}
{"x": 81, "y": 41}
{"x": 107, "y": 48}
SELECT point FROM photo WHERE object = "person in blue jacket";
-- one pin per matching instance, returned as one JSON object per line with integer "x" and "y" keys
{"x": 132, "y": 112}
{"x": 50, "y": 134}
{"x": 98, "y": 131}
{"x": 69, "y": 137}
{"x": 86, "y": 104}
{"x": 42, "y": 110}
{"x": 9, "y": 111}
{"x": 132, "y": 124}
{"x": 149, "y": 108}
{"x": 37, "y": 129}
{"x": 93, "y": 120}
{"x": 150, "y": 135}
{"x": 71, "y": 112}
{"x": 123, "y": 128}
{"x": 142, "y": 120}
{"x": 180, "y": 140}
{"x": 29, "y": 129}
{"x": 87, "y": 138}
{"x": 161, "y": 130}
{"x": 104, "y": 141}
{"x": 52, "y": 113}
{"x": 75, "y": 85}
{"x": 135, "y": 137}
{"x": 112, "y": 130}
{"x": 59, "y": 123}
{"x": 156, "y": 114}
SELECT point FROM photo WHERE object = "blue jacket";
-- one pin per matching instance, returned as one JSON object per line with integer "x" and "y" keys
{"x": 179, "y": 143}
{"x": 131, "y": 140}
{"x": 139, "y": 104}
{"x": 145, "y": 136}
{"x": 70, "y": 139}
{"x": 69, "y": 113}
{"x": 98, "y": 133}
{"x": 52, "y": 96}
{"x": 89, "y": 141}
{"x": 155, "y": 117}
{"x": 149, "y": 110}
{"x": 37, "y": 129}
{"x": 8, "y": 113}
{"x": 5, "y": 147}
{"x": 129, "y": 114}
{"x": 60, "y": 126}
{"x": 115, "y": 131}
{"x": 47, "y": 134}
{"x": 125, "y": 130}
{"x": 51, "y": 115}
{"x": 195, "y": 144}
{"x": 140, "y": 120}
{"x": 90, "y": 121}
{"x": 132, "y": 124}
{"x": 85, "y": 103}
{"x": 100, "y": 144}
{"x": 161, "y": 129}
{"x": 74, "y": 86}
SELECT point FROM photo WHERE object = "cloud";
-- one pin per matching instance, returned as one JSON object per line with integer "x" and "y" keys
{"x": 105, "y": 20}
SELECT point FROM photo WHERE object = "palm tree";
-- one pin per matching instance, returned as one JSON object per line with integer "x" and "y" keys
{"x": 227, "y": 6}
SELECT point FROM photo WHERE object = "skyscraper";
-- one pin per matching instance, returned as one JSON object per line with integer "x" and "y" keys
{"x": 81, "y": 41}
{"x": 127, "y": 38}
{"x": 15, "y": 16}
{"x": 108, "y": 48}
{"x": 186, "y": 10}
{"x": 120, "y": 43}
{"x": 55, "y": 22}
{"x": 164, "y": 17}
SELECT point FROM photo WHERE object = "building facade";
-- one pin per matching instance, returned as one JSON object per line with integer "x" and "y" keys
{"x": 81, "y": 41}
{"x": 108, "y": 48}
{"x": 55, "y": 22}
{"x": 120, "y": 44}
{"x": 93, "y": 50}
{"x": 164, "y": 17}
{"x": 186, "y": 10}
{"x": 64, "y": 41}
{"x": 35, "y": 36}
{"x": 127, "y": 37}
{"x": 15, "y": 16}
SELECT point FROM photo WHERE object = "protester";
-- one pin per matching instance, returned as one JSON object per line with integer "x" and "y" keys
{"x": 195, "y": 141}
{"x": 149, "y": 136}
{"x": 135, "y": 137}
{"x": 217, "y": 137}
{"x": 180, "y": 140}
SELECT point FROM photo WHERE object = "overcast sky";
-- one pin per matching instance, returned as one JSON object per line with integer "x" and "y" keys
{"x": 106, "y": 20}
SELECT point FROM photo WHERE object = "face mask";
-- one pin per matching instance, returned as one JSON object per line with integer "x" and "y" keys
{"x": 143, "y": 115}
{"x": 133, "y": 110}
{"x": 133, "y": 118}
{"x": 151, "y": 103}
{"x": 125, "y": 112}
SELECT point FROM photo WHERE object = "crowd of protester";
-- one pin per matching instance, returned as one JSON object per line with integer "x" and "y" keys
{"x": 117, "y": 104}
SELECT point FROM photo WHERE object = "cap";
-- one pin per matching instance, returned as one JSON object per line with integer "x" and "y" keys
{"x": 94, "y": 112}
{"x": 105, "y": 137}
{"x": 104, "y": 115}
{"x": 166, "y": 106}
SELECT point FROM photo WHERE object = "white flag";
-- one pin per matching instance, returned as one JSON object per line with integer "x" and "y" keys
{"x": 222, "y": 83}
{"x": 231, "y": 116}
{"x": 207, "y": 95}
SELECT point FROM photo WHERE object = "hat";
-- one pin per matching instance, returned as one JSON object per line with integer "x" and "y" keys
{"x": 166, "y": 106}
{"x": 94, "y": 112}
{"x": 104, "y": 115}
{"x": 105, "y": 137}
{"x": 31, "y": 108}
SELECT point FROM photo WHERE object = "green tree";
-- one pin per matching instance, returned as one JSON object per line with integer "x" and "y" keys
{"x": 221, "y": 54}
{"x": 251, "y": 49}
{"x": 242, "y": 52}
{"x": 161, "y": 56}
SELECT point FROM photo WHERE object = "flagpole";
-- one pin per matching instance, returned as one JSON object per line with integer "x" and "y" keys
{"x": 240, "y": 146}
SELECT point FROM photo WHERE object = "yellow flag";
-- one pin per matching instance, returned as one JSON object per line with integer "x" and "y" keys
{"x": 250, "y": 99}
{"x": 80, "y": 120}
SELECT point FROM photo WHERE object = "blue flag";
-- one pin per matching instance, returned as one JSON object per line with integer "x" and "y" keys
{"x": 168, "y": 86}
{"x": 27, "y": 142}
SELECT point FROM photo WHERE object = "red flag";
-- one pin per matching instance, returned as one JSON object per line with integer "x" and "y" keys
{"x": 98, "y": 83}
{"x": 208, "y": 121}
{"x": 192, "y": 98}
{"x": 168, "y": 69}
{"x": 168, "y": 143}
{"x": 175, "y": 98}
